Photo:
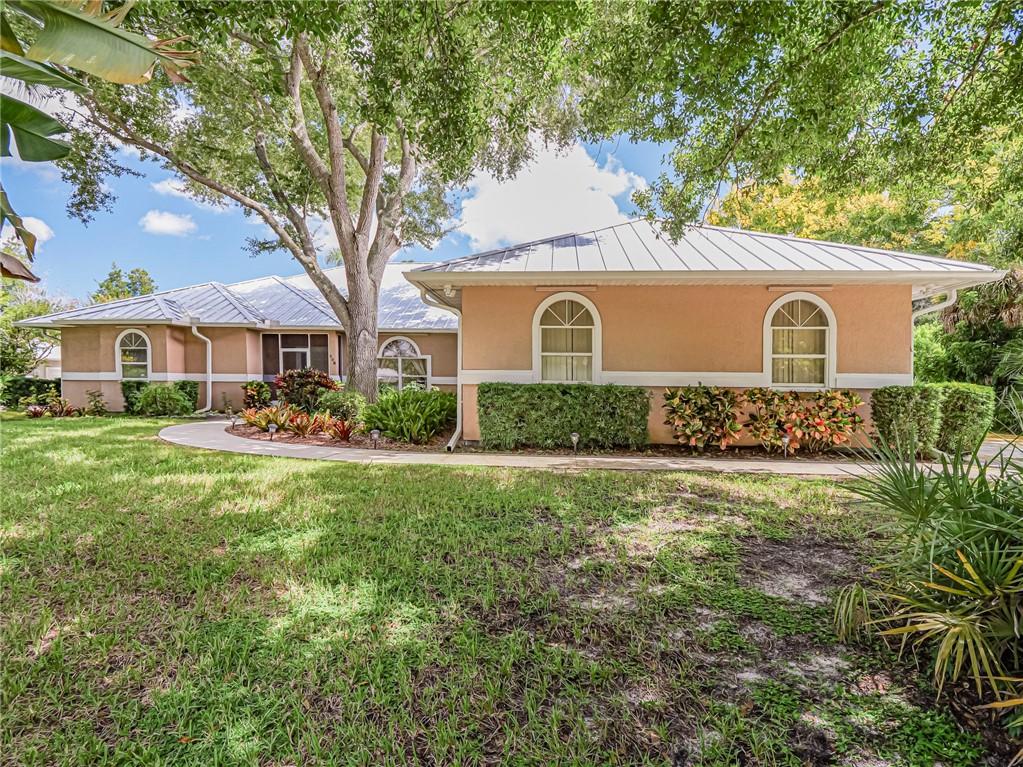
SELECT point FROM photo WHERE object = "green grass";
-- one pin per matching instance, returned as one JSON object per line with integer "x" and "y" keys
{"x": 171, "y": 606}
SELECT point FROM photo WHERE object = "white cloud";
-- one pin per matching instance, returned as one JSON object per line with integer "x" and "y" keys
{"x": 175, "y": 187}
{"x": 37, "y": 226}
{"x": 558, "y": 193}
{"x": 162, "y": 222}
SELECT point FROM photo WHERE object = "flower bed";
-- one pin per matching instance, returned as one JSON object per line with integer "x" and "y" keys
{"x": 358, "y": 440}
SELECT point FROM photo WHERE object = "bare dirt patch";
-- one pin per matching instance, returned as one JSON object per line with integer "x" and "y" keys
{"x": 798, "y": 570}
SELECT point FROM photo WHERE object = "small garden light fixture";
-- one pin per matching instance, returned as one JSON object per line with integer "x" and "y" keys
{"x": 374, "y": 435}
{"x": 272, "y": 428}
{"x": 785, "y": 444}
{"x": 575, "y": 441}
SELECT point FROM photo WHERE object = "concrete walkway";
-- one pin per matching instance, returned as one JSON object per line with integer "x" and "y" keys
{"x": 211, "y": 435}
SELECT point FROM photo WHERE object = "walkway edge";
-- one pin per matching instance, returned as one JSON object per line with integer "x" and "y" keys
{"x": 212, "y": 435}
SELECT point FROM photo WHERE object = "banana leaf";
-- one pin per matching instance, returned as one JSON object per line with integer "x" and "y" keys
{"x": 7, "y": 213}
{"x": 81, "y": 36}
{"x": 19, "y": 68}
{"x": 33, "y": 131}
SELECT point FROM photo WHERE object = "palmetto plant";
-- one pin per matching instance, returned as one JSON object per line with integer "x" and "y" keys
{"x": 950, "y": 585}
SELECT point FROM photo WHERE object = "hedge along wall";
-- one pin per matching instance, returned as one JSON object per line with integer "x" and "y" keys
{"x": 16, "y": 387}
{"x": 545, "y": 415}
{"x": 966, "y": 415}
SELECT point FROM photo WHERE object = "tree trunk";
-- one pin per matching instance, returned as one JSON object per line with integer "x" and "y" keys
{"x": 361, "y": 346}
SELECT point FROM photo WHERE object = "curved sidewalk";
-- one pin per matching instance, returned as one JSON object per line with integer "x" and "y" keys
{"x": 211, "y": 435}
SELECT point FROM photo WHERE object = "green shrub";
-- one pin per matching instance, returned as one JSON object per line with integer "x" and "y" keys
{"x": 966, "y": 415}
{"x": 256, "y": 394}
{"x": 303, "y": 388}
{"x": 605, "y": 416}
{"x": 908, "y": 415}
{"x": 348, "y": 405}
{"x": 191, "y": 390}
{"x": 97, "y": 404}
{"x": 159, "y": 399}
{"x": 411, "y": 415}
{"x": 131, "y": 390}
{"x": 13, "y": 389}
{"x": 703, "y": 415}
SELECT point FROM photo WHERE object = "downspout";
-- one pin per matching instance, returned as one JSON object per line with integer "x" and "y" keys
{"x": 950, "y": 298}
{"x": 209, "y": 369}
{"x": 457, "y": 435}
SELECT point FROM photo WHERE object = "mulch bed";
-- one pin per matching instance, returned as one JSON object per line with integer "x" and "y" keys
{"x": 363, "y": 441}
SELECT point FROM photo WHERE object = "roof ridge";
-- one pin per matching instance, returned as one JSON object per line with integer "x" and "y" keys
{"x": 247, "y": 310}
{"x": 302, "y": 294}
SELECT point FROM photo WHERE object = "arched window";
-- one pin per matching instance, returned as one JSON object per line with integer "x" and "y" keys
{"x": 566, "y": 340}
{"x": 801, "y": 342}
{"x": 400, "y": 364}
{"x": 133, "y": 355}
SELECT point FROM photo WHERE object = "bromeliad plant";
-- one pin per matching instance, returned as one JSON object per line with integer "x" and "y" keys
{"x": 951, "y": 582}
{"x": 338, "y": 428}
{"x": 703, "y": 415}
{"x": 304, "y": 424}
{"x": 261, "y": 418}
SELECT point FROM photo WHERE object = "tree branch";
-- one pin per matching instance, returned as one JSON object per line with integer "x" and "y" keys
{"x": 299, "y": 132}
{"x": 337, "y": 199}
{"x": 371, "y": 188}
{"x": 353, "y": 148}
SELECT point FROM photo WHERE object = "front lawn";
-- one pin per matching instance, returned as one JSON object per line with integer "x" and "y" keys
{"x": 173, "y": 606}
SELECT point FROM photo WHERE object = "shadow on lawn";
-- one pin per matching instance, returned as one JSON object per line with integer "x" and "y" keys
{"x": 195, "y": 608}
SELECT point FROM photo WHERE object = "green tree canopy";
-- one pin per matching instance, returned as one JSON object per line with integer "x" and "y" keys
{"x": 884, "y": 95}
{"x": 22, "y": 349}
{"x": 357, "y": 117}
{"x": 119, "y": 284}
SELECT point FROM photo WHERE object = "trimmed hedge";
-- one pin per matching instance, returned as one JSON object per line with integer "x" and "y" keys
{"x": 545, "y": 415}
{"x": 966, "y": 416}
{"x": 908, "y": 415}
{"x": 161, "y": 399}
{"x": 16, "y": 387}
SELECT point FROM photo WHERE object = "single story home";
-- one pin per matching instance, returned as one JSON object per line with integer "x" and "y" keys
{"x": 624, "y": 304}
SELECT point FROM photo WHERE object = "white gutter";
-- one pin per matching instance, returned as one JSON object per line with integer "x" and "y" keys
{"x": 950, "y": 298}
{"x": 457, "y": 435}
{"x": 209, "y": 369}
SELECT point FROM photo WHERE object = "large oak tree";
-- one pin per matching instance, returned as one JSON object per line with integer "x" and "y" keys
{"x": 358, "y": 117}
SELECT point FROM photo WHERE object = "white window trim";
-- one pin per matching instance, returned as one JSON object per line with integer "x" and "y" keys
{"x": 418, "y": 355}
{"x": 831, "y": 345}
{"x": 149, "y": 355}
{"x": 597, "y": 368}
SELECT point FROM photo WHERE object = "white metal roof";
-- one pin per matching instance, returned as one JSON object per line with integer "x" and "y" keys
{"x": 637, "y": 251}
{"x": 266, "y": 301}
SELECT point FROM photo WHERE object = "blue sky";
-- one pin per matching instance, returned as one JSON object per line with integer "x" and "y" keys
{"x": 181, "y": 242}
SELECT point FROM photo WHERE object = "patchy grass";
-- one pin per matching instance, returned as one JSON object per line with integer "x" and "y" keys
{"x": 163, "y": 605}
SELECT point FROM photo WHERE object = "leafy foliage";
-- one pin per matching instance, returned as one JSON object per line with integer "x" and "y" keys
{"x": 951, "y": 584}
{"x": 59, "y": 407}
{"x": 97, "y": 404}
{"x": 13, "y": 389}
{"x": 703, "y": 415}
{"x": 36, "y": 411}
{"x": 160, "y": 399}
{"x": 930, "y": 355}
{"x": 605, "y": 416}
{"x": 966, "y": 414}
{"x": 817, "y": 422}
{"x": 338, "y": 428}
{"x": 118, "y": 285}
{"x": 302, "y": 424}
{"x": 278, "y": 415}
{"x": 411, "y": 415}
{"x": 740, "y": 91}
{"x": 345, "y": 404}
{"x": 191, "y": 391}
{"x": 256, "y": 394}
{"x": 130, "y": 391}
{"x": 908, "y": 417}
{"x": 303, "y": 388}
{"x": 22, "y": 349}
